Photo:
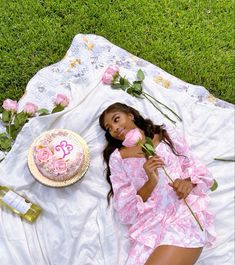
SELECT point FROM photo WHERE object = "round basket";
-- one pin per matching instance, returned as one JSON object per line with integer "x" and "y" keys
{"x": 77, "y": 140}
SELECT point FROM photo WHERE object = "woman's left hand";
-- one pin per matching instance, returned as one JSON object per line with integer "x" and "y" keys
{"x": 182, "y": 187}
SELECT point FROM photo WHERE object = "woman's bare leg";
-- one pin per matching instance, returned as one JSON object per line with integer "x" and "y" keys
{"x": 172, "y": 255}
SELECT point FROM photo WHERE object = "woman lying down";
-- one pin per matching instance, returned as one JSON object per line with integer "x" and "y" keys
{"x": 161, "y": 198}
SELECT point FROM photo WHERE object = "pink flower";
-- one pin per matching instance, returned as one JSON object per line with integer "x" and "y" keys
{"x": 43, "y": 154}
{"x": 110, "y": 74}
{"x": 61, "y": 100}
{"x": 60, "y": 166}
{"x": 132, "y": 138}
{"x": 10, "y": 105}
{"x": 30, "y": 108}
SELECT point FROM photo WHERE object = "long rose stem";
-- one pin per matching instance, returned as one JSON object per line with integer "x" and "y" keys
{"x": 193, "y": 214}
{"x": 163, "y": 105}
{"x": 168, "y": 175}
{"x": 9, "y": 126}
{"x": 185, "y": 203}
{"x": 159, "y": 109}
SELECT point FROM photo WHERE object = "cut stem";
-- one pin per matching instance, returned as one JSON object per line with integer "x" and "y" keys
{"x": 228, "y": 159}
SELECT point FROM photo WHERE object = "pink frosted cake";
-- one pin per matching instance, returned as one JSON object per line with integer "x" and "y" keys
{"x": 58, "y": 155}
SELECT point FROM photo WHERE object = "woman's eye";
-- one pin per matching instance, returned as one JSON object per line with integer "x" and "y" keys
{"x": 116, "y": 119}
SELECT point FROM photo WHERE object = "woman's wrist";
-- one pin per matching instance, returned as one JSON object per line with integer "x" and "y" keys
{"x": 153, "y": 177}
{"x": 146, "y": 191}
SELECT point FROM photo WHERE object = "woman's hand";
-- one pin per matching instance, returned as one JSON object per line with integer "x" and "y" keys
{"x": 182, "y": 187}
{"x": 151, "y": 165}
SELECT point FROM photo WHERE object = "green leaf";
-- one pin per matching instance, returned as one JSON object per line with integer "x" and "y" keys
{"x": 140, "y": 75}
{"x": 136, "y": 95}
{"x": 151, "y": 153}
{"x": 149, "y": 141}
{"x": 132, "y": 92}
{"x": 147, "y": 152}
{"x": 124, "y": 87}
{"x": 5, "y": 144}
{"x": 126, "y": 82}
{"x": 135, "y": 90}
{"x": 138, "y": 88}
{"x": 121, "y": 80}
{"x": 20, "y": 119}
{"x": 129, "y": 90}
{"x": 43, "y": 112}
{"x": 214, "y": 186}
{"x": 57, "y": 109}
{"x": 137, "y": 82}
{"x": 121, "y": 84}
{"x": 149, "y": 147}
{"x": 6, "y": 116}
{"x": 3, "y": 135}
{"x": 116, "y": 86}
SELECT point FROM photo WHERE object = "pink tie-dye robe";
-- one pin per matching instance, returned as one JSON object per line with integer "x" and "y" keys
{"x": 163, "y": 219}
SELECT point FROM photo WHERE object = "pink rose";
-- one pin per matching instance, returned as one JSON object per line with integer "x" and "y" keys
{"x": 43, "y": 154}
{"x": 10, "y": 105}
{"x": 110, "y": 74}
{"x": 113, "y": 69}
{"x": 61, "y": 100}
{"x": 60, "y": 166}
{"x": 132, "y": 138}
{"x": 30, "y": 109}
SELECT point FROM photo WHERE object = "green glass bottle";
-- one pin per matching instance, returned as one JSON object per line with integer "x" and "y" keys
{"x": 19, "y": 204}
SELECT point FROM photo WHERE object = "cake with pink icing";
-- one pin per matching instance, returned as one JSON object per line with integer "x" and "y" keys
{"x": 58, "y": 155}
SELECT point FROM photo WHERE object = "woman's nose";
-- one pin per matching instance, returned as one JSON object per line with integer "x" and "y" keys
{"x": 115, "y": 128}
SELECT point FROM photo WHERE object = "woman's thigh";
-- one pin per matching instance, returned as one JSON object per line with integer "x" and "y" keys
{"x": 172, "y": 255}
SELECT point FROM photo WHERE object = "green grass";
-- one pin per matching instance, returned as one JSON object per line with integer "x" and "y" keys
{"x": 192, "y": 40}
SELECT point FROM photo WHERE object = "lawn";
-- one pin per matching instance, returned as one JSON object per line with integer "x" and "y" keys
{"x": 191, "y": 39}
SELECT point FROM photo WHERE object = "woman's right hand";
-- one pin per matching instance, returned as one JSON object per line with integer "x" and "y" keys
{"x": 152, "y": 164}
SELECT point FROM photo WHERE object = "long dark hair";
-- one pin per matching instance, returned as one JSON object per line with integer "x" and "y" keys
{"x": 145, "y": 125}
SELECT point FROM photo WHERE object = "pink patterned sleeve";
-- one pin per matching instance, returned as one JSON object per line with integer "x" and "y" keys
{"x": 128, "y": 204}
{"x": 192, "y": 167}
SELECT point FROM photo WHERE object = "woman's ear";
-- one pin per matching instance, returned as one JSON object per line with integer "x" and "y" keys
{"x": 131, "y": 116}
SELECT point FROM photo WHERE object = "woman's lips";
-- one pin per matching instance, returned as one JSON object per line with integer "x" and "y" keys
{"x": 121, "y": 133}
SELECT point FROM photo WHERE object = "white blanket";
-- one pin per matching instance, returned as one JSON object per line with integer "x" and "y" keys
{"x": 76, "y": 227}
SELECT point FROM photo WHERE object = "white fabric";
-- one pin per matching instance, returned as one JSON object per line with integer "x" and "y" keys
{"x": 76, "y": 227}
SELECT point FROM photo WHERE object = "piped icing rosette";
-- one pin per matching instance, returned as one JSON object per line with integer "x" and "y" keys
{"x": 58, "y": 155}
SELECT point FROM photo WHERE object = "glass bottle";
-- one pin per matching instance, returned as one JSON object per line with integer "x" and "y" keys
{"x": 18, "y": 204}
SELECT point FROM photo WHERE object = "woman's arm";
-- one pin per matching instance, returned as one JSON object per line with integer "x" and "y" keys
{"x": 126, "y": 200}
{"x": 150, "y": 166}
{"x": 145, "y": 191}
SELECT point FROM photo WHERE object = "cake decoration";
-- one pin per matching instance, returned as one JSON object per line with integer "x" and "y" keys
{"x": 58, "y": 157}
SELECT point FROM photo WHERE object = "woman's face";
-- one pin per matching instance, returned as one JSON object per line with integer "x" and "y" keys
{"x": 118, "y": 123}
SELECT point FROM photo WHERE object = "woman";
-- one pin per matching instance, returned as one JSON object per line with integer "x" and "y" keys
{"x": 162, "y": 230}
